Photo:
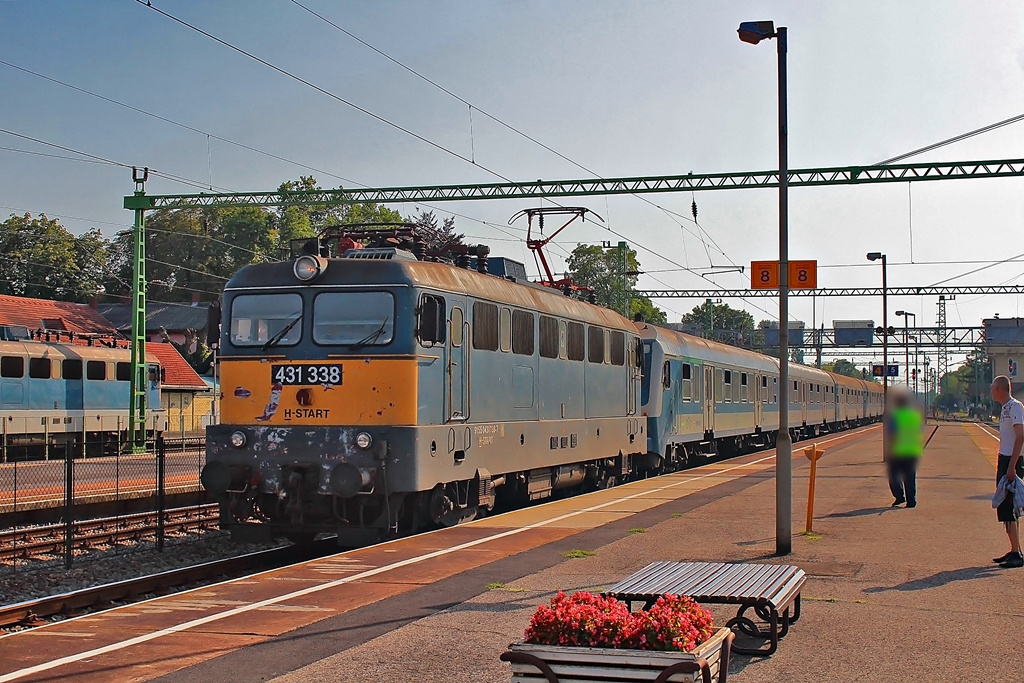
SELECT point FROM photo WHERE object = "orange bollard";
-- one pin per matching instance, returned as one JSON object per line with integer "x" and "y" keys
{"x": 813, "y": 454}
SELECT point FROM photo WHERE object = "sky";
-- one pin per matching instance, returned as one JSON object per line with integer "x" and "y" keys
{"x": 625, "y": 88}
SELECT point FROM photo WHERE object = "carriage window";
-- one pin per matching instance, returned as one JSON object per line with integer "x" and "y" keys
{"x": 432, "y": 320}
{"x": 123, "y": 372}
{"x": 617, "y": 348}
{"x": 718, "y": 385}
{"x": 12, "y": 366}
{"x": 744, "y": 396}
{"x": 548, "y": 337}
{"x": 485, "y": 326}
{"x": 576, "y": 345}
{"x": 96, "y": 369}
{"x": 259, "y": 318}
{"x": 39, "y": 368}
{"x": 764, "y": 389}
{"x": 505, "y": 330}
{"x": 666, "y": 375}
{"x": 354, "y": 319}
{"x": 522, "y": 333}
{"x": 595, "y": 345}
{"x": 458, "y": 325}
{"x": 687, "y": 382}
{"x": 71, "y": 368}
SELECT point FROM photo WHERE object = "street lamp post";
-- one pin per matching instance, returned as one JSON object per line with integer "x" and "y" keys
{"x": 906, "y": 315}
{"x": 754, "y": 32}
{"x": 874, "y": 256}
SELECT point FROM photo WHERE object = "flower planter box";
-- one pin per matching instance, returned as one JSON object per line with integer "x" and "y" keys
{"x": 708, "y": 663}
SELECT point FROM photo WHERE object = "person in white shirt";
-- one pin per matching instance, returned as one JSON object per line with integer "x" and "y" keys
{"x": 1010, "y": 464}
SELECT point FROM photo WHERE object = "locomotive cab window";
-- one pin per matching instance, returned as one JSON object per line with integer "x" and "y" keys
{"x": 548, "y": 337}
{"x": 39, "y": 368}
{"x": 432, "y": 320}
{"x": 257, "y": 319}
{"x": 457, "y": 324}
{"x": 71, "y": 368}
{"x": 617, "y": 348}
{"x": 485, "y": 326}
{"x": 576, "y": 349}
{"x": 687, "y": 382}
{"x": 12, "y": 366}
{"x": 123, "y": 372}
{"x": 95, "y": 370}
{"x": 522, "y": 333}
{"x": 505, "y": 330}
{"x": 595, "y": 345}
{"x": 353, "y": 319}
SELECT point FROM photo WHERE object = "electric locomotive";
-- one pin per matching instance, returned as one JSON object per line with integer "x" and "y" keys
{"x": 371, "y": 391}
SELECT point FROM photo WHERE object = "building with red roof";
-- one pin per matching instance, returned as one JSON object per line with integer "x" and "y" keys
{"x": 44, "y": 314}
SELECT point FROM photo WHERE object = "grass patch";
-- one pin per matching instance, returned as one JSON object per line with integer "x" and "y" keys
{"x": 677, "y": 515}
{"x": 495, "y": 586}
{"x": 637, "y": 530}
{"x": 578, "y": 554}
{"x": 811, "y": 536}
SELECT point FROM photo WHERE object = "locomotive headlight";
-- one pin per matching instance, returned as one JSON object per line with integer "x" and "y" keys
{"x": 364, "y": 440}
{"x": 237, "y": 439}
{"x": 309, "y": 266}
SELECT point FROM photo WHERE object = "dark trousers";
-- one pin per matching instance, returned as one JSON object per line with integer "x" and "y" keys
{"x": 903, "y": 479}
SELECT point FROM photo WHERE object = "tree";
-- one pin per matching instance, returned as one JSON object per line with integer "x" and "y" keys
{"x": 843, "y": 367}
{"x": 436, "y": 237}
{"x": 42, "y": 259}
{"x": 601, "y": 270}
{"x": 723, "y": 323}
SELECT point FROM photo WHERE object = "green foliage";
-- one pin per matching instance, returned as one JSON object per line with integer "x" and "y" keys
{"x": 41, "y": 259}
{"x": 717, "y": 316}
{"x": 600, "y": 269}
{"x": 495, "y": 586}
{"x": 578, "y": 554}
{"x": 843, "y": 367}
{"x": 436, "y": 237}
{"x": 637, "y": 530}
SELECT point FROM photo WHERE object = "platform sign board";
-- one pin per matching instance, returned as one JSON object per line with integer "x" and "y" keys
{"x": 879, "y": 371}
{"x": 764, "y": 274}
{"x": 803, "y": 274}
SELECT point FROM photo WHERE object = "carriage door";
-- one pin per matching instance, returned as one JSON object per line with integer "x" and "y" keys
{"x": 709, "y": 398}
{"x": 457, "y": 370}
{"x": 755, "y": 396}
{"x": 803, "y": 402}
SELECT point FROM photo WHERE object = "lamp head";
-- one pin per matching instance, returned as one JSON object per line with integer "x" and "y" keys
{"x": 901, "y": 313}
{"x": 874, "y": 255}
{"x": 754, "y": 32}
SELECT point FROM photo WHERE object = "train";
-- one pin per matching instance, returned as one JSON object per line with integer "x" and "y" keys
{"x": 60, "y": 388}
{"x": 374, "y": 390}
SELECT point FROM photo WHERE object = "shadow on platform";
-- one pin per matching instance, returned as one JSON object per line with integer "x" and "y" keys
{"x": 939, "y": 579}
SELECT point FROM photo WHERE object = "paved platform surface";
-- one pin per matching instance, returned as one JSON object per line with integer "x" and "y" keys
{"x": 894, "y": 594}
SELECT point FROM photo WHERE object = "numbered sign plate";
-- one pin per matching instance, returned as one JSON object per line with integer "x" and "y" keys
{"x": 803, "y": 274}
{"x": 764, "y": 274}
{"x": 323, "y": 373}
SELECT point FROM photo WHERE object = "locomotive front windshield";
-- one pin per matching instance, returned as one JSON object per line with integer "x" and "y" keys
{"x": 353, "y": 319}
{"x": 259, "y": 319}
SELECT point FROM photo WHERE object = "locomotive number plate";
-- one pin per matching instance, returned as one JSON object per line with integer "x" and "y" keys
{"x": 306, "y": 374}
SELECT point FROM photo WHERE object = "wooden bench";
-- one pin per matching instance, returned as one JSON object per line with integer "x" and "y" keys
{"x": 771, "y": 590}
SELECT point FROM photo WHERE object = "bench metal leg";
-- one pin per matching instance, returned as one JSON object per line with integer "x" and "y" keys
{"x": 750, "y": 628}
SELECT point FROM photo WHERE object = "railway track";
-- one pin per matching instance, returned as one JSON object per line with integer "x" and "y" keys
{"x": 49, "y": 540}
{"x": 34, "y": 612}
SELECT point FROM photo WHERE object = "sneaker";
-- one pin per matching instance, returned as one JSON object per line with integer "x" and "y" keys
{"x": 912, "y": 504}
{"x": 897, "y": 503}
{"x": 1002, "y": 558}
{"x": 1013, "y": 561}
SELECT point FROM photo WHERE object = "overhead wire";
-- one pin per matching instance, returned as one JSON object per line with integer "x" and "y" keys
{"x": 950, "y": 141}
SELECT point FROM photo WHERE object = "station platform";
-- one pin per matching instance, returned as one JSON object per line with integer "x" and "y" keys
{"x": 893, "y": 593}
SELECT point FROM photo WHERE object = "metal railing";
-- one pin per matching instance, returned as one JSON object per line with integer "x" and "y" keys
{"x": 90, "y": 500}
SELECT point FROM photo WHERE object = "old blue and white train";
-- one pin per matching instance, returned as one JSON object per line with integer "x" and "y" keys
{"x": 373, "y": 392}
{"x": 57, "y": 388}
